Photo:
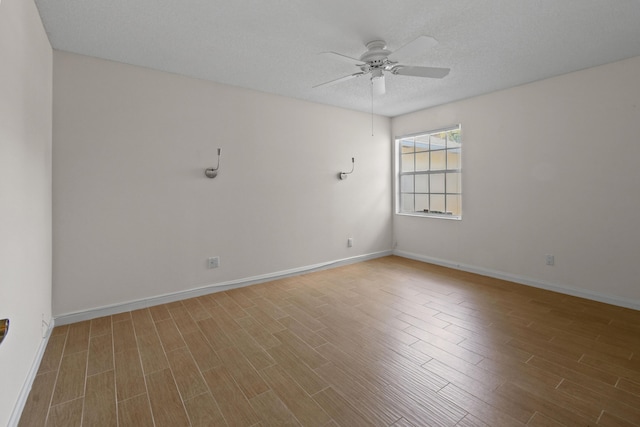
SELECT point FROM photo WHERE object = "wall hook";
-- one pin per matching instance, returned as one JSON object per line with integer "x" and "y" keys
{"x": 213, "y": 172}
{"x": 343, "y": 175}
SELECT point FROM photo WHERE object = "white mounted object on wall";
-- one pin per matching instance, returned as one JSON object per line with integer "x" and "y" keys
{"x": 344, "y": 175}
{"x": 213, "y": 172}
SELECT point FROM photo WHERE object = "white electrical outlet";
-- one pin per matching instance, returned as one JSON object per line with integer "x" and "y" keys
{"x": 213, "y": 262}
{"x": 550, "y": 259}
{"x": 350, "y": 242}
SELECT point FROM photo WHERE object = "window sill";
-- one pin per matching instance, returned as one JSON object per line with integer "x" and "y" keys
{"x": 431, "y": 215}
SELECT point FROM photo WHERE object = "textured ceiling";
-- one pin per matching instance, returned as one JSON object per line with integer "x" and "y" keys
{"x": 274, "y": 45}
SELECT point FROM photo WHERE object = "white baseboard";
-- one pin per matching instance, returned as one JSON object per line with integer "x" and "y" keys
{"x": 595, "y": 296}
{"x": 31, "y": 376}
{"x": 65, "y": 319}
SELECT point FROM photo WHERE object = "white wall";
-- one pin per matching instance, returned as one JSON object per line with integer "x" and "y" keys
{"x": 135, "y": 217}
{"x": 548, "y": 168}
{"x": 25, "y": 195}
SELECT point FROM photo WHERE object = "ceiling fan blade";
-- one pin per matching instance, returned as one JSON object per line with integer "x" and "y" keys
{"x": 431, "y": 72}
{"x": 343, "y": 58}
{"x": 340, "y": 80}
{"x": 378, "y": 85}
{"x": 417, "y": 47}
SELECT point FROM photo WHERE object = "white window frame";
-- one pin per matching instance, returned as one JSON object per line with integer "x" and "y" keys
{"x": 446, "y": 171}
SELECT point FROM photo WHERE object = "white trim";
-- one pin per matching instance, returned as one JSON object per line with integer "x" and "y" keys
{"x": 67, "y": 318}
{"x": 31, "y": 376}
{"x": 595, "y": 296}
{"x": 428, "y": 215}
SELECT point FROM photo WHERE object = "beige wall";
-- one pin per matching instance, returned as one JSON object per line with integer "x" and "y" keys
{"x": 548, "y": 168}
{"x": 25, "y": 196}
{"x": 135, "y": 217}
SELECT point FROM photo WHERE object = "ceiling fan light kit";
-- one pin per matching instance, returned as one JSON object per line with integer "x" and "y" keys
{"x": 378, "y": 59}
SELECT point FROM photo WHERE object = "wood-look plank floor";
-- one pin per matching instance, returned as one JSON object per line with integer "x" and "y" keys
{"x": 387, "y": 342}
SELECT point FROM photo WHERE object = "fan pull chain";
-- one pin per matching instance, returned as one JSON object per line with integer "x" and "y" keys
{"x": 371, "y": 107}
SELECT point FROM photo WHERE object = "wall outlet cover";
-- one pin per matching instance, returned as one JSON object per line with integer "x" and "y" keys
{"x": 213, "y": 262}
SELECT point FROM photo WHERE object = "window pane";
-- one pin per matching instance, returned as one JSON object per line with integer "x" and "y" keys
{"x": 422, "y": 161}
{"x": 453, "y": 139}
{"x": 453, "y": 205}
{"x": 422, "y": 184}
{"x": 438, "y": 160}
{"x": 438, "y": 141}
{"x": 406, "y": 184}
{"x": 422, "y": 146}
{"x": 437, "y": 183}
{"x": 406, "y": 203}
{"x": 437, "y": 203}
{"x": 422, "y": 141}
{"x": 453, "y": 159}
{"x": 407, "y": 162}
{"x": 422, "y": 202}
{"x": 453, "y": 182}
{"x": 406, "y": 146}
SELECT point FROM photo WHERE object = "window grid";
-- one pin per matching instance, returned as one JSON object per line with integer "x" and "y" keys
{"x": 443, "y": 201}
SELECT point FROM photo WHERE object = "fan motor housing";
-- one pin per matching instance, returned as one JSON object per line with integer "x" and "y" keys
{"x": 376, "y": 53}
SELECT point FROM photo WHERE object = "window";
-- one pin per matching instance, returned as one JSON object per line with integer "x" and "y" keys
{"x": 429, "y": 174}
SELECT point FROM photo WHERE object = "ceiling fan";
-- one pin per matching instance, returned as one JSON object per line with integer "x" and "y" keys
{"x": 377, "y": 59}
